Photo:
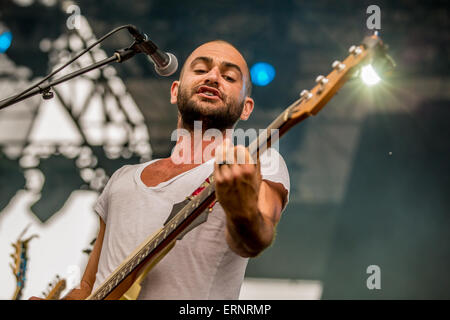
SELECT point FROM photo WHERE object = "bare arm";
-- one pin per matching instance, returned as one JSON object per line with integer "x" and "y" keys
{"x": 252, "y": 206}
{"x": 249, "y": 236}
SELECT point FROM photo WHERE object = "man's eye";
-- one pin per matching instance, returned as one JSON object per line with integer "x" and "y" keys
{"x": 199, "y": 71}
{"x": 228, "y": 78}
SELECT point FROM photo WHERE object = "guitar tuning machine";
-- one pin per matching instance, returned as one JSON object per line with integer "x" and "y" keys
{"x": 305, "y": 94}
{"x": 355, "y": 50}
{"x": 337, "y": 65}
{"x": 322, "y": 81}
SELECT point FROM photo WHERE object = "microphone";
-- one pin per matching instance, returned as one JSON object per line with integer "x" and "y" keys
{"x": 165, "y": 63}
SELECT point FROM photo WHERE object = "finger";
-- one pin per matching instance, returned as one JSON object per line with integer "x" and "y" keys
{"x": 236, "y": 170}
{"x": 224, "y": 152}
{"x": 241, "y": 155}
{"x": 219, "y": 154}
{"x": 217, "y": 173}
{"x": 226, "y": 173}
{"x": 229, "y": 153}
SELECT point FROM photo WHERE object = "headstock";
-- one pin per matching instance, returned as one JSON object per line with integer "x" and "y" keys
{"x": 372, "y": 50}
{"x": 55, "y": 288}
{"x": 19, "y": 267}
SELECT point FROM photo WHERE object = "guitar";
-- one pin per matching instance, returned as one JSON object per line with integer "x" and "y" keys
{"x": 125, "y": 281}
{"x": 19, "y": 267}
{"x": 57, "y": 287}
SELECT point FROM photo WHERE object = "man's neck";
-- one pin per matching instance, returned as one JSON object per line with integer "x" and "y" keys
{"x": 198, "y": 145}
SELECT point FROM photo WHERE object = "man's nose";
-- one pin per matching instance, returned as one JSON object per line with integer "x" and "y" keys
{"x": 213, "y": 76}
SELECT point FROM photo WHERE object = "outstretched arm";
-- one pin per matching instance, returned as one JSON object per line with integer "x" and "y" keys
{"x": 252, "y": 205}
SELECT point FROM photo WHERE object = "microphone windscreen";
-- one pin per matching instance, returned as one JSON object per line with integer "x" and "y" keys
{"x": 170, "y": 68}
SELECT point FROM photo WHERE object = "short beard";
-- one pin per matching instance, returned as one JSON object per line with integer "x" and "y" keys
{"x": 221, "y": 118}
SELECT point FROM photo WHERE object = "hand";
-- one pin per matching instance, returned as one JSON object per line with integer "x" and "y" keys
{"x": 237, "y": 180}
{"x": 76, "y": 294}
{"x": 252, "y": 206}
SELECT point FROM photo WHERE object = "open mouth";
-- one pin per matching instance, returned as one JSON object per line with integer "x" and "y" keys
{"x": 209, "y": 93}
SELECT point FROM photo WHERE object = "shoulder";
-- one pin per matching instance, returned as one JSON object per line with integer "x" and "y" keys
{"x": 125, "y": 172}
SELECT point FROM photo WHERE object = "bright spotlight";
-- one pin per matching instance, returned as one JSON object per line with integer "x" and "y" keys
{"x": 369, "y": 75}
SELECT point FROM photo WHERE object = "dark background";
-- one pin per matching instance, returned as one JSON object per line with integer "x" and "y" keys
{"x": 370, "y": 177}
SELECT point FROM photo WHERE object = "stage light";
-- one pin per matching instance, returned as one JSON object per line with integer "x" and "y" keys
{"x": 262, "y": 73}
{"x": 5, "y": 41}
{"x": 369, "y": 76}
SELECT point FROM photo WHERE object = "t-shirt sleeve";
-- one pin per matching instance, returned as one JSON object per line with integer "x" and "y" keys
{"x": 101, "y": 205}
{"x": 273, "y": 168}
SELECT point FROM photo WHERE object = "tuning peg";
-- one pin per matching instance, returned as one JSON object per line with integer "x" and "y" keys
{"x": 338, "y": 65}
{"x": 305, "y": 94}
{"x": 354, "y": 50}
{"x": 321, "y": 80}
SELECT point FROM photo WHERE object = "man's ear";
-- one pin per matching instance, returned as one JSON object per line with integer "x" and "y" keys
{"x": 248, "y": 108}
{"x": 174, "y": 92}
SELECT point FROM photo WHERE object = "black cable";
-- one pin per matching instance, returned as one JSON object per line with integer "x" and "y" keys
{"x": 70, "y": 61}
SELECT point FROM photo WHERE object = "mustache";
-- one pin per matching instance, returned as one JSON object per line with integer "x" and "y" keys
{"x": 195, "y": 89}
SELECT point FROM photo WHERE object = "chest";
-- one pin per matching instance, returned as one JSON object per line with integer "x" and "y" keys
{"x": 161, "y": 171}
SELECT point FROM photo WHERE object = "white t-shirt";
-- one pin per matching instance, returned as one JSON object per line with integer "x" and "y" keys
{"x": 201, "y": 265}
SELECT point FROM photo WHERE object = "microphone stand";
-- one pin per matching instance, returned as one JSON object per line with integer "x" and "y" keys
{"x": 120, "y": 56}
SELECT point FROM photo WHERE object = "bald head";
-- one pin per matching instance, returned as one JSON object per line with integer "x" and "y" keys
{"x": 230, "y": 56}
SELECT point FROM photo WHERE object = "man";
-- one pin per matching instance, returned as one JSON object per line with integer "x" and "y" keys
{"x": 210, "y": 261}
